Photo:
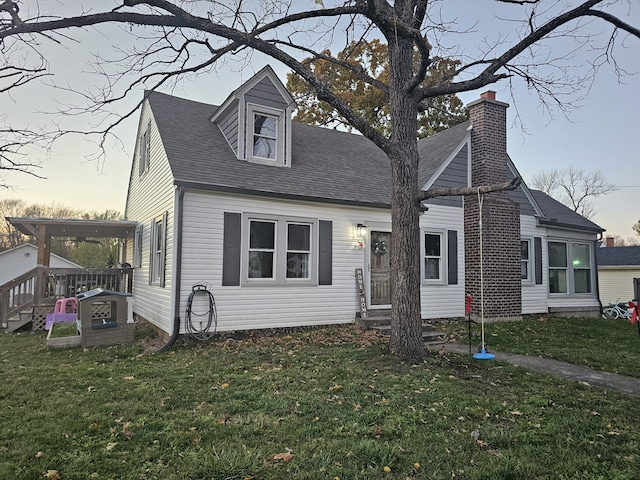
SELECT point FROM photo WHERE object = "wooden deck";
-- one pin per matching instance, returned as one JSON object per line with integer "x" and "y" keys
{"x": 32, "y": 296}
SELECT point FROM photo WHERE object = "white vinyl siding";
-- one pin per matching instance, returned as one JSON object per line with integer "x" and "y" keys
{"x": 441, "y": 300}
{"x": 271, "y": 305}
{"x": 616, "y": 283}
{"x": 148, "y": 198}
{"x": 535, "y": 297}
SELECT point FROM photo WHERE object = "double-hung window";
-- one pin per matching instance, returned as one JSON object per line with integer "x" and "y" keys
{"x": 565, "y": 277}
{"x": 158, "y": 251}
{"x": 433, "y": 257}
{"x": 262, "y": 249}
{"x": 144, "y": 155}
{"x": 137, "y": 247}
{"x": 558, "y": 271}
{"x": 280, "y": 250}
{"x": 298, "y": 250}
{"x": 265, "y": 135}
{"x": 525, "y": 260}
{"x": 581, "y": 263}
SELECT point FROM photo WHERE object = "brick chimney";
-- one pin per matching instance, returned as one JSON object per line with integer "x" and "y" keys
{"x": 501, "y": 262}
{"x": 610, "y": 242}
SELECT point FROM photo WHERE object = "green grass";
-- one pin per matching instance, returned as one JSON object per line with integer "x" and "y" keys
{"x": 324, "y": 404}
{"x": 65, "y": 329}
{"x": 609, "y": 345}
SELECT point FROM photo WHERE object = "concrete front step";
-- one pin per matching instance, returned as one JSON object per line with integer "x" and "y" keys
{"x": 428, "y": 332}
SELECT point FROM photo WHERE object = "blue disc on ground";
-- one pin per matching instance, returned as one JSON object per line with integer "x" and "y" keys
{"x": 483, "y": 355}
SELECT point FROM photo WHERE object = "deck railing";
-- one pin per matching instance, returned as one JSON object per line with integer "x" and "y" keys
{"x": 43, "y": 286}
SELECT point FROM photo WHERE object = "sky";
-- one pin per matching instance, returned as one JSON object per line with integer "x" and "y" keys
{"x": 601, "y": 134}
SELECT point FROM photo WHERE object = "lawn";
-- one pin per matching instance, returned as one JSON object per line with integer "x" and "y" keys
{"x": 322, "y": 404}
{"x": 610, "y": 345}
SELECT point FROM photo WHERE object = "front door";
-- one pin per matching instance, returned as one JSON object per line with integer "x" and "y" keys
{"x": 380, "y": 253}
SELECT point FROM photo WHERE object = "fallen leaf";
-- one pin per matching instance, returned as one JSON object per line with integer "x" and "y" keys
{"x": 130, "y": 377}
{"x": 39, "y": 454}
{"x": 516, "y": 412}
{"x": 52, "y": 475}
{"x": 278, "y": 458}
{"x": 111, "y": 445}
{"x": 285, "y": 457}
{"x": 224, "y": 385}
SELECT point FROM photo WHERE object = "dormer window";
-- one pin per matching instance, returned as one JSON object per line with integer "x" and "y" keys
{"x": 265, "y": 135}
{"x": 256, "y": 120}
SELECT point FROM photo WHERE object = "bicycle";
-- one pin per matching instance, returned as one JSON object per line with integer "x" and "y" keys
{"x": 616, "y": 310}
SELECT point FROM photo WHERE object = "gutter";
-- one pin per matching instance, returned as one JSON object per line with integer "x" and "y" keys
{"x": 177, "y": 236}
{"x": 567, "y": 226}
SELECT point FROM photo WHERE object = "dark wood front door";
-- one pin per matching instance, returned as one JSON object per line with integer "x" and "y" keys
{"x": 380, "y": 268}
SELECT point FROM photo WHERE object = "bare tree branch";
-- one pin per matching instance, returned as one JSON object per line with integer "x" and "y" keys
{"x": 575, "y": 187}
{"x": 466, "y": 191}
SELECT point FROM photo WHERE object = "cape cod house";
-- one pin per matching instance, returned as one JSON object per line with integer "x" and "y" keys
{"x": 275, "y": 218}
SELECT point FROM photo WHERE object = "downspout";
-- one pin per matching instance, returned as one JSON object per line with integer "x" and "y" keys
{"x": 595, "y": 262}
{"x": 177, "y": 236}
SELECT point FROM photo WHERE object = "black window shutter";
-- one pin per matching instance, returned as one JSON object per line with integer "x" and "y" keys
{"x": 231, "y": 249}
{"x": 537, "y": 255}
{"x": 325, "y": 252}
{"x": 452, "y": 257}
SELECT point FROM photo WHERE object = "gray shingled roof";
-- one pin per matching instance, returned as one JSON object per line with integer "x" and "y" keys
{"x": 434, "y": 150}
{"x": 326, "y": 165}
{"x": 618, "y": 256}
{"x": 558, "y": 214}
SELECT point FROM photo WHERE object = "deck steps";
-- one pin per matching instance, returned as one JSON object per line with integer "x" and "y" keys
{"x": 17, "y": 321}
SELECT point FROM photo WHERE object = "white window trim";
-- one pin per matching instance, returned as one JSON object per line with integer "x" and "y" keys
{"x": 531, "y": 262}
{"x": 443, "y": 257}
{"x": 157, "y": 259}
{"x": 252, "y": 111}
{"x": 280, "y": 253}
{"x": 571, "y": 286}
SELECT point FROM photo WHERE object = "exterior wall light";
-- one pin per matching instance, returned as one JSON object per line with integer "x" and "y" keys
{"x": 359, "y": 236}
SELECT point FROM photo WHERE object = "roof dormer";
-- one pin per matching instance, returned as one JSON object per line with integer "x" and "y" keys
{"x": 256, "y": 120}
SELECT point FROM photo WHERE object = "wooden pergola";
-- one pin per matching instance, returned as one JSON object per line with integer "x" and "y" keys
{"x": 43, "y": 229}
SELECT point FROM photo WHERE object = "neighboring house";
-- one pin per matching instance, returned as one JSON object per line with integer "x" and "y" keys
{"x": 276, "y": 216}
{"x": 22, "y": 259}
{"x": 617, "y": 267}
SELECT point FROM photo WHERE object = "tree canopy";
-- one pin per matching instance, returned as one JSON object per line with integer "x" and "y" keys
{"x": 368, "y": 99}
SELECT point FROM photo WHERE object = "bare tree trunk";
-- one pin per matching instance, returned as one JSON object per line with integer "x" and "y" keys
{"x": 406, "y": 336}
